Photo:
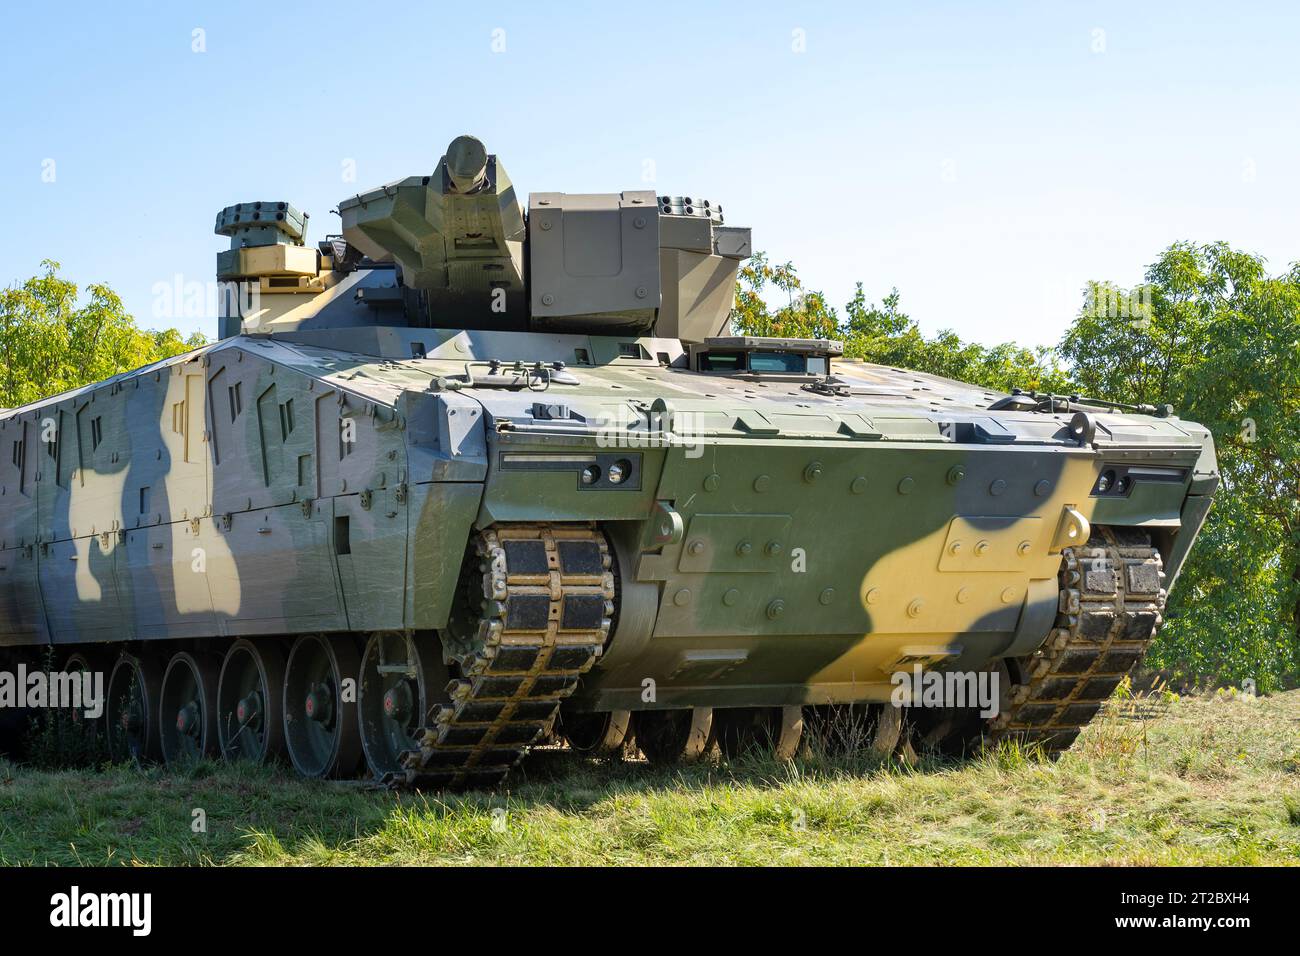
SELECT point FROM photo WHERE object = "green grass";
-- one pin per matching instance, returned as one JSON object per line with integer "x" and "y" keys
{"x": 1215, "y": 780}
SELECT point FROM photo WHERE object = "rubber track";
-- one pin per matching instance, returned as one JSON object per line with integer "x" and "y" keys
{"x": 547, "y": 602}
{"x": 1111, "y": 601}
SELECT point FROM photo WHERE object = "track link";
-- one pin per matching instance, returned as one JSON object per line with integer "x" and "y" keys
{"x": 533, "y": 614}
{"x": 1111, "y": 601}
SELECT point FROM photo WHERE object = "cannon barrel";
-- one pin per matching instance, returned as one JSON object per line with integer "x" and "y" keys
{"x": 457, "y": 234}
{"x": 467, "y": 161}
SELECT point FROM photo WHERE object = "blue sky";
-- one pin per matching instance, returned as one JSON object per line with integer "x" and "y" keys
{"x": 986, "y": 159}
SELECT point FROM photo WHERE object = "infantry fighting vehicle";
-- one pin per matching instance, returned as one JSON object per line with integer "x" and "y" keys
{"x": 470, "y": 474}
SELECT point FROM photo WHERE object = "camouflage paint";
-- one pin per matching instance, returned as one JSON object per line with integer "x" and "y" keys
{"x": 791, "y": 546}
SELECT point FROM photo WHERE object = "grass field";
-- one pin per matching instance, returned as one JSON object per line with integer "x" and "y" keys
{"x": 1213, "y": 780}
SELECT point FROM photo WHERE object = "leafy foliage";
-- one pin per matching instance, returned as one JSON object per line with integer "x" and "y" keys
{"x": 805, "y": 314}
{"x": 50, "y": 343}
{"x": 883, "y": 334}
{"x": 1220, "y": 340}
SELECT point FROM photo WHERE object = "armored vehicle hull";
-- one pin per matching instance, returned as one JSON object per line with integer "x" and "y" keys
{"x": 377, "y": 544}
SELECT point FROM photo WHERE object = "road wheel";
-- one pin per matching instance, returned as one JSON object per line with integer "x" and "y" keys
{"x": 400, "y": 688}
{"x": 320, "y": 712}
{"x": 131, "y": 710}
{"x": 670, "y": 736}
{"x": 187, "y": 712}
{"x": 770, "y": 731}
{"x": 250, "y": 696}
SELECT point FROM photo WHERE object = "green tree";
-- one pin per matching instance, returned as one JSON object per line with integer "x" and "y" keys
{"x": 805, "y": 313}
{"x": 883, "y": 334}
{"x": 1213, "y": 334}
{"x": 50, "y": 342}
{"x": 886, "y": 335}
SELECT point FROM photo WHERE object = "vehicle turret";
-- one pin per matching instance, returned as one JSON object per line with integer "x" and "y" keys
{"x": 456, "y": 249}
